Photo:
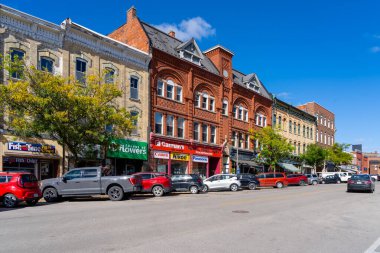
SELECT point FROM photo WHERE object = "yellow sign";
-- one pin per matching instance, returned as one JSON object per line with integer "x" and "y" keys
{"x": 179, "y": 156}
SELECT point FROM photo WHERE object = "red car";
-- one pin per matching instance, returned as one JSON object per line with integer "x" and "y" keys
{"x": 18, "y": 187}
{"x": 156, "y": 183}
{"x": 297, "y": 179}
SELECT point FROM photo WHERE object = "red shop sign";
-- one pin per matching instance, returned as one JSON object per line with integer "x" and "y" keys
{"x": 195, "y": 149}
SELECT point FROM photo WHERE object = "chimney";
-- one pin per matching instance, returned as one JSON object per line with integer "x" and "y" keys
{"x": 172, "y": 34}
{"x": 131, "y": 13}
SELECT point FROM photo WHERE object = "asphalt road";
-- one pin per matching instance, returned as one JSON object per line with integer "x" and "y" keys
{"x": 321, "y": 218}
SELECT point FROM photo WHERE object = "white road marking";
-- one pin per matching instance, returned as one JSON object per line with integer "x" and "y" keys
{"x": 375, "y": 247}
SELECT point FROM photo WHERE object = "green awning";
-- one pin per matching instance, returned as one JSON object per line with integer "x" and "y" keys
{"x": 289, "y": 167}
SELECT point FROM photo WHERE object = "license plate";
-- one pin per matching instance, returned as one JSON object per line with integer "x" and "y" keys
{"x": 359, "y": 182}
{"x": 35, "y": 195}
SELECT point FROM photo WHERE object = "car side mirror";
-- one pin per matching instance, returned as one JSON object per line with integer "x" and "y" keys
{"x": 64, "y": 179}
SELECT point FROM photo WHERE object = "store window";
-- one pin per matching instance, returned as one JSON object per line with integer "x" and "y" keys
{"x": 179, "y": 167}
{"x": 200, "y": 169}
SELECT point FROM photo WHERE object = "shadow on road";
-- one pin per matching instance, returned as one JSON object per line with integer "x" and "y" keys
{"x": 23, "y": 205}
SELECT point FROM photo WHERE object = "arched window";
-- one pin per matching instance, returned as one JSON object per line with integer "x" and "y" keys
{"x": 240, "y": 112}
{"x": 46, "y": 64}
{"x": 204, "y": 101}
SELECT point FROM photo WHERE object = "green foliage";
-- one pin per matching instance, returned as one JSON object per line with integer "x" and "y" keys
{"x": 274, "y": 147}
{"x": 74, "y": 114}
{"x": 337, "y": 155}
{"x": 314, "y": 155}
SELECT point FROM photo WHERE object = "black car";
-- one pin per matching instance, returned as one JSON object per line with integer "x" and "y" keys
{"x": 361, "y": 182}
{"x": 187, "y": 183}
{"x": 249, "y": 181}
{"x": 331, "y": 179}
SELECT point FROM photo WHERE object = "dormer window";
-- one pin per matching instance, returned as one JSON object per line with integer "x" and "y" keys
{"x": 190, "y": 52}
{"x": 253, "y": 86}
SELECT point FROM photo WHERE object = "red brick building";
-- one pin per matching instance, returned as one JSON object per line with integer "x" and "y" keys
{"x": 198, "y": 102}
{"x": 325, "y": 134}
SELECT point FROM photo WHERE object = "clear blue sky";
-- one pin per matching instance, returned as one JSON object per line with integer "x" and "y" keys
{"x": 323, "y": 51}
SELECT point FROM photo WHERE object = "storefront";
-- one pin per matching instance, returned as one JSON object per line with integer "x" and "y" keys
{"x": 245, "y": 159}
{"x": 127, "y": 157}
{"x": 40, "y": 159}
{"x": 175, "y": 157}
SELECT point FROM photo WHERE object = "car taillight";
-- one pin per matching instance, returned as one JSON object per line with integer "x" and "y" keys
{"x": 368, "y": 182}
{"x": 349, "y": 182}
{"x": 133, "y": 180}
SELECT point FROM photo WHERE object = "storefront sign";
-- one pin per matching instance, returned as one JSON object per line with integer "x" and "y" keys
{"x": 179, "y": 157}
{"x": 31, "y": 147}
{"x": 200, "y": 159}
{"x": 178, "y": 146}
{"x": 161, "y": 154}
{"x": 121, "y": 148}
{"x": 20, "y": 160}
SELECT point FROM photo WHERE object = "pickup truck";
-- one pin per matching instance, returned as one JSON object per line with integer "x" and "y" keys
{"x": 89, "y": 181}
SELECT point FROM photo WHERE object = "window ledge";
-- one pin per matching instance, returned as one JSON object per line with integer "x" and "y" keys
{"x": 173, "y": 100}
{"x": 200, "y": 108}
{"x": 135, "y": 100}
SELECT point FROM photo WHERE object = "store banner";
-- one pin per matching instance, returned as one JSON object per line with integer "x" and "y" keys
{"x": 161, "y": 154}
{"x": 31, "y": 147}
{"x": 179, "y": 157}
{"x": 121, "y": 148}
{"x": 200, "y": 159}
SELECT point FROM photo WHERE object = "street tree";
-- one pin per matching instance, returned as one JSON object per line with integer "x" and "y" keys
{"x": 314, "y": 156}
{"x": 273, "y": 146}
{"x": 78, "y": 115}
{"x": 337, "y": 155}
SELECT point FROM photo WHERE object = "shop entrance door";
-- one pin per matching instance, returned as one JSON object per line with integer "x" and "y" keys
{"x": 213, "y": 166}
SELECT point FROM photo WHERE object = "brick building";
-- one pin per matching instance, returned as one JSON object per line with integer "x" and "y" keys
{"x": 325, "y": 132}
{"x": 198, "y": 102}
{"x": 71, "y": 50}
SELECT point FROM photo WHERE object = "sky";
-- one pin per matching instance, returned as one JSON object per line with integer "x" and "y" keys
{"x": 322, "y": 51}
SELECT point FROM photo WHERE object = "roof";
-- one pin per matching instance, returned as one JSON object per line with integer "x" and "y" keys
{"x": 312, "y": 102}
{"x": 218, "y": 46}
{"x": 166, "y": 43}
{"x": 294, "y": 108}
{"x": 240, "y": 79}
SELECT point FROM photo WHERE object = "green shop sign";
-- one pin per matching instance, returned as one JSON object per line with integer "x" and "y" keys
{"x": 128, "y": 149}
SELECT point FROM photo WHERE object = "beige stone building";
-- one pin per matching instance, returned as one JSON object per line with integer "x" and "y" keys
{"x": 73, "y": 51}
{"x": 297, "y": 126}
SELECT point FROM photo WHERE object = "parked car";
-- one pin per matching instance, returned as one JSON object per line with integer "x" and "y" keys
{"x": 18, "y": 187}
{"x": 344, "y": 176}
{"x": 156, "y": 183}
{"x": 222, "y": 182}
{"x": 187, "y": 183}
{"x": 89, "y": 181}
{"x": 361, "y": 182}
{"x": 312, "y": 179}
{"x": 375, "y": 176}
{"x": 277, "y": 180}
{"x": 248, "y": 181}
{"x": 331, "y": 179}
{"x": 297, "y": 179}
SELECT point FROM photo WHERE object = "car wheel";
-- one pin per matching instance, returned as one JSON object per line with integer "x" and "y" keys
{"x": 32, "y": 202}
{"x": 314, "y": 182}
{"x": 234, "y": 187}
{"x": 279, "y": 185}
{"x": 348, "y": 190}
{"x": 323, "y": 182}
{"x": 194, "y": 189}
{"x": 158, "y": 191}
{"x": 115, "y": 193}
{"x": 205, "y": 188}
{"x": 9, "y": 200}
{"x": 302, "y": 183}
{"x": 50, "y": 194}
{"x": 252, "y": 186}
{"x": 338, "y": 182}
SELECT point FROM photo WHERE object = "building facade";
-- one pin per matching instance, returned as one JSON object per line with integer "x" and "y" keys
{"x": 198, "y": 103}
{"x": 73, "y": 51}
{"x": 296, "y": 125}
{"x": 325, "y": 132}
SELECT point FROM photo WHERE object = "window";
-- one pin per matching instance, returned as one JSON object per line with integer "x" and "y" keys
{"x": 109, "y": 76}
{"x": 261, "y": 120}
{"x": 295, "y": 147}
{"x": 160, "y": 88}
{"x": 169, "y": 125}
{"x": 197, "y": 97}
{"x": 332, "y": 140}
{"x": 311, "y": 133}
{"x": 90, "y": 173}
{"x": 299, "y": 129}
{"x": 321, "y": 139}
{"x": 321, "y": 120}
{"x": 303, "y": 131}
{"x": 328, "y": 139}
{"x": 307, "y": 132}
{"x": 81, "y": 68}
{"x": 246, "y": 116}
{"x": 73, "y": 175}
{"x": 46, "y": 64}
{"x": 295, "y": 128}
{"x": 332, "y": 125}
{"x": 204, "y": 133}
{"x": 240, "y": 113}
{"x": 234, "y": 136}
{"x": 274, "y": 120}
{"x": 234, "y": 112}
{"x": 134, "y": 114}
{"x": 328, "y": 123}
{"x": 247, "y": 141}
{"x": 181, "y": 127}
{"x": 304, "y": 148}
{"x": 17, "y": 55}
{"x": 196, "y": 131}
{"x": 317, "y": 136}
{"x": 299, "y": 148}
{"x": 225, "y": 107}
{"x": 212, "y": 104}
{"x": 158, "y": 123}
{"x": 179, "y": 94}
{"x": 290, "y": 126}
{"x": 169, "y": 89}
{"x": 325, "y": 139}
{"x": 204, "y": 102}
{"x": 134, "y": 88}
{"x": 280, "y": 122}
{"x": 213, "y": 135}
{"x": 325, "y": 122}
{"x": 240, "y": 140}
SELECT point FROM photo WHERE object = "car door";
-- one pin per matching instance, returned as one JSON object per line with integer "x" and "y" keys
{"x": 176, "y": 182}
{"x": 224, "y": 182}
{"x": 292, "y": 179}
{"x": 215, "y": 182}
{"x": 261, "y": 178}
{"x": 71, "y": 183}
{"x": 146, "y": 181}
{"x": 90, "y": 182}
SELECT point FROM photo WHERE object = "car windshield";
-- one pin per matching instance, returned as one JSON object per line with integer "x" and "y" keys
{"x": 360, "y": 177}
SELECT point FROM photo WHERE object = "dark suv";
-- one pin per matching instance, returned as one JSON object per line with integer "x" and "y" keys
{"x": 187, "y": 182}
{"x": 248, "y": 181}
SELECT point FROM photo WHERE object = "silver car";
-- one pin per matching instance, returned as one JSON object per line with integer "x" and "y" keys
{"x": 312, "y": 179}
{"x": 222, "y": 182}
